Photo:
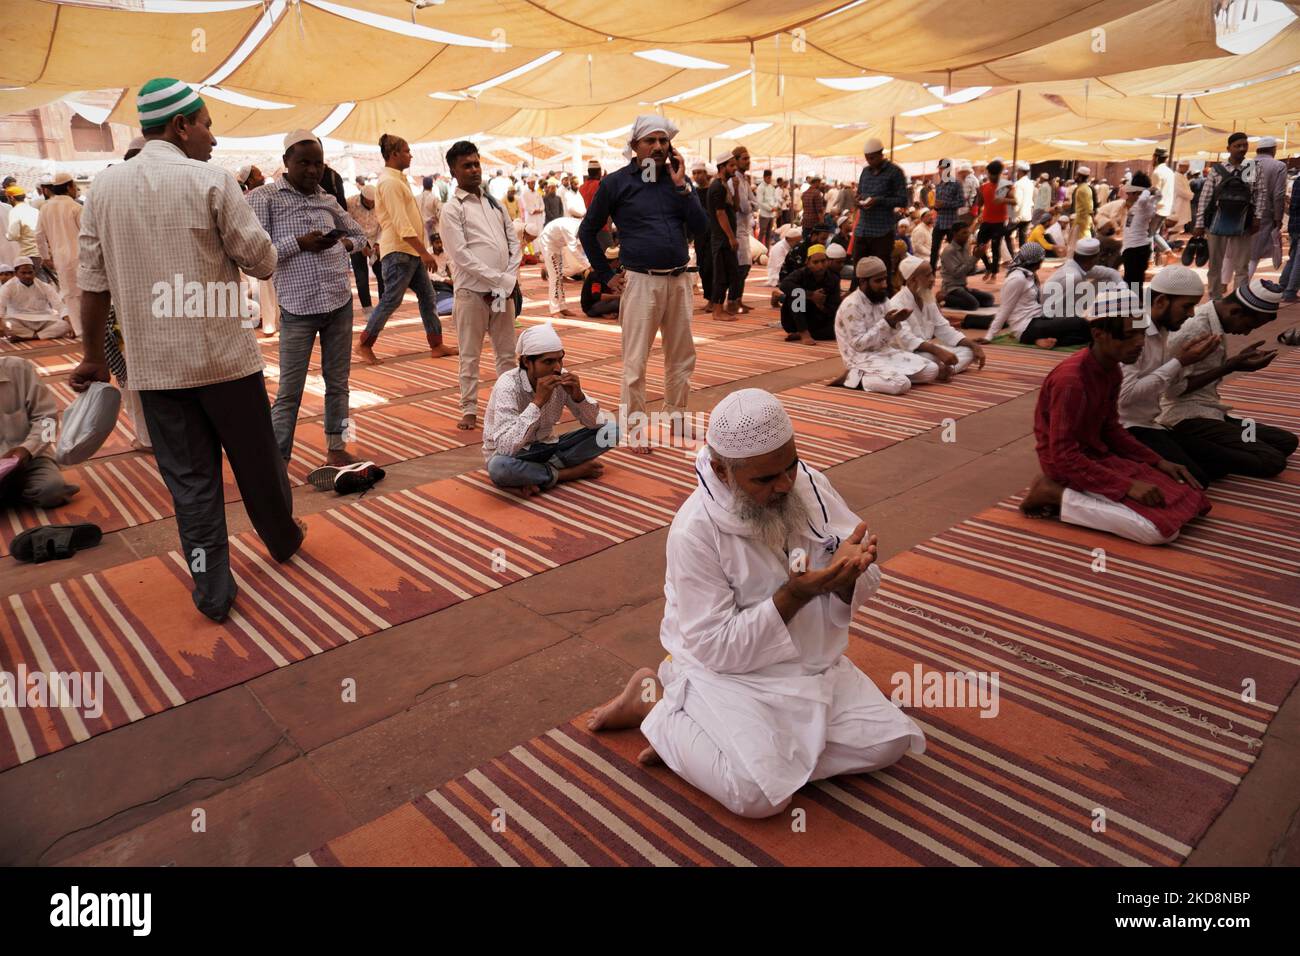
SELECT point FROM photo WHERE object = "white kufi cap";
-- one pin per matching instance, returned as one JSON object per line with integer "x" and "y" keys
{"x": 748, "y": 423}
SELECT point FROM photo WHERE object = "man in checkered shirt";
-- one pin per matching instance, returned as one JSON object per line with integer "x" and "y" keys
{"x": 163, "y": 239}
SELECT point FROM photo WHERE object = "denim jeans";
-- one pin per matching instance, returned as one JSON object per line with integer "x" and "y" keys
{"x": 402, "y": 271}
{"x": 297, "y": 335}
{"x": 539, "y": 463}
{"x": 1290, "y": 277}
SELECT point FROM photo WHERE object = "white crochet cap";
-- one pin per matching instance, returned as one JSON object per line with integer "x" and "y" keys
{"x": 748, "y": 423}
{"x": 539, "y": 340}
{"x": 1177, "y": 280}
{"x": 909, "y": 265}
{"x": 836, "y": 251}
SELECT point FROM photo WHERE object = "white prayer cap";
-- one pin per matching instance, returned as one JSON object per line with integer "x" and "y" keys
{"x": 45, "y": 180}
{"x": 698, "y": 165}
{"x": 301, "y": 136}
{"x": 1267, "y": 142}
{"x": 869, "y": 267}
{"x": 1083, "y": 171}
{"x": 1021, "y": 164}
{"x": 965, "y": 167}
{"x": 1177, "y": 280}
{"x": 1088, "y": 246}
{"x": 793, "y": 232}
{"x": 1131, "y": 188}
{"x": 368, "y": 192}
{"x": 748, "y": 423}
{"x": 243, "y": 174}
{"x": 137, "y": 143}
{"x": 909, "y": 265}
{"x": 646, "y": 124}
{"x": 611, "y": 253}
{"x": 539, "y": 340}
{"x": 1117, "y": 300}
{"x": 872, "y": 145}
{"x": 1067, "y": 219}
{"x": 6, "y": 267}
{"x": 836, "y": 251}
{"x": 22, "y": 261}
{"x": 61, "y": 178}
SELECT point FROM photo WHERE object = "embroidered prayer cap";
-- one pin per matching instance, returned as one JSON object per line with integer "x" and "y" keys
{"x": 1022, "y": 165}
{"x": 1088, "y": 246}
{"x": 869, "y": 267}
{"x": 1260, "y": 296}
{"x": 1267, "y": 142}
{"x": 301, "y": 136}
{"x": 539, "y": 340}
{"x": 1031, "y": 253}
{"x": 161, "y": 99}
{"x": 793, "y": 233}
{"x": 909, "y": 265}
{"x": 22, "y": 261}
{"x": 872, "y": 145}
{"x": 45, "y": 180}
{"x": 698, "y": 165}
{"x": 748, "y": 423}
{"x": 1117, "y": 300}
{"x": 243, "y": 174}
{"x": 836, "y": 251}
{"x": 1177, "y": 280}
{"x": 644, "y": 125}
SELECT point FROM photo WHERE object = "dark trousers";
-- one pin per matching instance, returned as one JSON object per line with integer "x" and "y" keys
{"x": 1220, "y": 448}
{"x": 737, "y": 288}
{"x": 361, "y": 270}
{"x": 965, "y": 299}
{"x": 1135, "y": 266}
{"x": 882, "y": 247}
{"x": 725, "y": 268}
{"x": 820, "y": 325}
{"x": 990, "y": 234}
{"x": 602, "y": 308}
{"x": 189, "y": 428}
{"x": 1166, "y": 443}
{"x": 704, "y": 264}
{"x": 1067, "y": 330}
{"x": 1022, "y": 234}
{"x": 936, "y": 243}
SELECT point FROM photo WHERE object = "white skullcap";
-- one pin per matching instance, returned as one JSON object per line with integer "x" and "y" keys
{"x": 1117, "y": 300}
{"x": 909, "y": 265}
{"x": 699, "y": 164}
{"x": 646, "y": 124}
{"x": 244, "y": 172}
{"x": 301, "y": 136}
{"x": 137, "y": 143}
{"x": 539, "y": 340}
{"x": 965, "y": 165}
{"x": 1177, "y": 280}
{"x": 22, "y": 261}
{"x": 1267, "y": 142}
{"x": 1083, "y": 171}
{"x": 1088, "y": 247}
{"x": 1021, "y": 164}
{"x": 61, "y": 178}
{"x": 748, "y": 423}
{"x": 836, "y": 251}
{"x": 368, "y": 191}
{"x": 6, "y": 267}
{"x": 45, "y": 180}
{"x": 872, "y": 145}
{"x": 1131, "y": 188}
{"x": 793, "y": 232}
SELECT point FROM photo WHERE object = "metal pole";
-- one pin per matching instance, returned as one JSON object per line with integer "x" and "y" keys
{"x": 710, "y": 149}
{"x": 1173, "y": 136}
{"x": 1015, "y": 143}
{"x": 794, "y": 143}
{"x": 891, "y": 138}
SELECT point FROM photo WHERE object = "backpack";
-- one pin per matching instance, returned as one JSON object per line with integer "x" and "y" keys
{"x": 1230, "y": 211}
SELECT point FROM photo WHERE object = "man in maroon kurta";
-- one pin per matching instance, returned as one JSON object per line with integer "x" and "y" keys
{"x": 1095, "y": 473}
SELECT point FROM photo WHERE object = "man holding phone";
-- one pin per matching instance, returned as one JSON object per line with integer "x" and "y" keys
{"x": 313, "y": 238}
{"x": 654, "y": 207}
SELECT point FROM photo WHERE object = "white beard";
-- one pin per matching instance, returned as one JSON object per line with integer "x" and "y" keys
{"x": 924, "y": 296}
{"x": 773, "y": 525}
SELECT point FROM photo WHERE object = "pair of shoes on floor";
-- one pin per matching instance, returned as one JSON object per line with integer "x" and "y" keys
{"x": 1290, "y": 336}
{"x": 346, "y": 479}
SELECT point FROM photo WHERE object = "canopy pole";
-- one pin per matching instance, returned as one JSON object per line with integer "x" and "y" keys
{"x": 794, "y": 144}
{"x": 1173, "y": 136}
{"x": 1015, "y": 142}
{"x": 891, "y": 138}
{"x": 710, "y": 149}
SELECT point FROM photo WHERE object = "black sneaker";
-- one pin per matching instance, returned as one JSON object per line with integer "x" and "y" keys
{"x": 362, "y": 476}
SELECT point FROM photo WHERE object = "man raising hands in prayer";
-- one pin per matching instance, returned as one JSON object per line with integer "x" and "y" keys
{"x": 766, "y": 565}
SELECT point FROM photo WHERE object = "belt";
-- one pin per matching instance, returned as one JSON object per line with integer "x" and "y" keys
{"x": 656, "y": 272}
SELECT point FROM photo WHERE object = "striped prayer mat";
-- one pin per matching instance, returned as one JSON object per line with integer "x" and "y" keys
{"x": 1121, "y": 728}
{"x": 8, "y": 346}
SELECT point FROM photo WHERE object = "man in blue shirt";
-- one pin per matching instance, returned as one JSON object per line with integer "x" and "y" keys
{"x": 882, "y": 188}
{"x": 949, "y": 197}
{"x": 655, "y": 207}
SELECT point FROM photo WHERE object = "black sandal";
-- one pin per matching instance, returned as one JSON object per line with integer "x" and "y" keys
{"x": 55, "y": 542}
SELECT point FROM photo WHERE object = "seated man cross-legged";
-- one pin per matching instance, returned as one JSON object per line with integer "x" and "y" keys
{"x": 809, "y": 297}
{"x": 519, "y": 442}
{"x": 864, "y": 330}
{"x": 766, "y": 565}
{"x": 1095, "y": 473}
{"x": 925, "y": 331}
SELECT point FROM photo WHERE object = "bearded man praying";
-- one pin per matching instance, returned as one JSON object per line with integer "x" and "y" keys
{"x": 766, "y": 565}
{"x": 925, "y": 331}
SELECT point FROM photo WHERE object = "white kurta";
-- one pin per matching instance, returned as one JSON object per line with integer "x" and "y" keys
{"x": 533, "y": 210}
{"x": 927, "y": 324}
{"x": 563, "y": 254}
{"x": 60, "y": 224}
{"x": 574, "y": 204}
{"x": 755, "y": 707}
{"x": 33, "y": 311}
{"x": 867, "y": 347}
{"x": 776, "y": 259}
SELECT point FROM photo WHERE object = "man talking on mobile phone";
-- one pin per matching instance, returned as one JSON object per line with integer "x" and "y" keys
{"x": 654, "y": 206}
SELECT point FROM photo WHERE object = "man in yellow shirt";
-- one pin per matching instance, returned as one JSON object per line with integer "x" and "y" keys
{"x": 403, "y": 256}
{"x": 1082, "y": 206}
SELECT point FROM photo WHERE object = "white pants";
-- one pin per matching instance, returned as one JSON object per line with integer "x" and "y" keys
{"x": 38, "y": 326}
{"x": 896, "y": 383}
{"x": 555, "y": 280}
{"x": 73, "y": 305}
{"x": 269, "y": 305}
{"x": 965, "y": 355}
{"x": 474, "y": 319}
{"x": 657, "y": 304}
{"x": 135, "y": 412}
{"x": 1229, "y": 260}
{"x": 690, "y": 753}
{"x": 1093, "y": 511}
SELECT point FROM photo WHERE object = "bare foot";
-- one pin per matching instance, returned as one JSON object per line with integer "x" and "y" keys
{"x": 648, "y": 758}
{"x": 742, "y": 308}
{"x": 367, "y": 355}
{"x": 792, "y": 337}
{"x": 720, "y": 316}
{"x": 527, "y": 491}
{"x": 302, "y": 525}
{"x": 588, "y": 469}
{"x": 339, "y": 457}
{"x": 706, "y": 307}
{"x": 807, "y": 339}
{"x": 1043, "y": 499}
{"x": 467, "y": 422}
{"x": 630, "y": 707}
{"x": 565, "y": 312}
{"x": 1045, "y": 343}
{"x": 442, "y": 351}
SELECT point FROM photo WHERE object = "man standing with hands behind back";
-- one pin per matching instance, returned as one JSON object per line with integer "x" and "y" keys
{"x": 654, "y": 207}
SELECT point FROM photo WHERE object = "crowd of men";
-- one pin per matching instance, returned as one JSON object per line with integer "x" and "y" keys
{"x": 1130, "y": 429}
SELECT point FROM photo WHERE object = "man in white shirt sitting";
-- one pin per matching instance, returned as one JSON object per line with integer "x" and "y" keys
{"x": 865, "y": 324}
{"x": 766, "y": 567}
{"x": 30, "y": 308}
{"x": 1070, "y": 291}
{"x": 925, "y": 331}
{"x": 519, "y": 441}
